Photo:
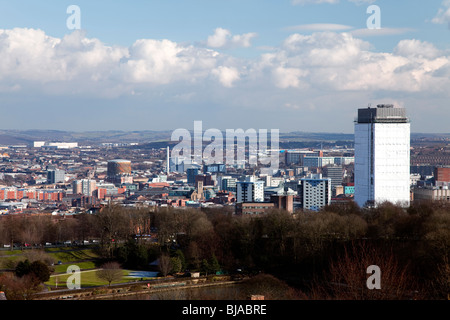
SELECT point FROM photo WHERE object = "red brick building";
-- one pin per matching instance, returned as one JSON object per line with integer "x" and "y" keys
{"x": 12, "y": 193}
{"x": 442, "y": 174}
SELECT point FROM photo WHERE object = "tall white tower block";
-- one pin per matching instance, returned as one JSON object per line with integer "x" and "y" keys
{"x": 382, "y": 156}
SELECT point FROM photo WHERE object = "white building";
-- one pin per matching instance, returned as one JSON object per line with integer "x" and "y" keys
{"x": 382, "y": 156}
{"x": 316, "y": 192}
{"x": 38, "y": 144}
{"x": 271, "y": 181}
{"x": 57, "y": 145}
{"x": 250, "y": 191}
{"x": 414, "y": 178}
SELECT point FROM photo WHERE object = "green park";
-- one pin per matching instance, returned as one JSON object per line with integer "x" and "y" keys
{"x": 60, "y": 259}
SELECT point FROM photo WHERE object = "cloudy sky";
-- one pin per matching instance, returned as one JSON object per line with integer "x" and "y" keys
{"x": 293, "y": 65}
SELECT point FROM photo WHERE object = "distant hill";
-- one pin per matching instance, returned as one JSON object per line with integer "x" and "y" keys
{"x": 6, "y": 139}
{"x": 160, "y": 139}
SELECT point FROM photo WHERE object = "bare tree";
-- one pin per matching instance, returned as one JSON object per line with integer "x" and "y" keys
{"x": 110, "y": 272}
{"x": 165, "y": 222}
{"x": 39, "y": 255}
{"x": 30, "y": 230}
{"x": 348, "y": 276}
{"x": 165, "y": 264}
{"x": 442, "y": 283}
{"x": 3, "y": 232}
{"x": 11, "y": 229}
{"x": 140, "y": 221}
{"x": 18, "y": 288}
{"x": 113, "y": 224}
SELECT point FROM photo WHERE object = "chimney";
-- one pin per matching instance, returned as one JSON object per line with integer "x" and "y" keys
{"x": 168, "y": 160}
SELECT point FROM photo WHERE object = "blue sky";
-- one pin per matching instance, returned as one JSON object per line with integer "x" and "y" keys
{"x": 293, "y": 65}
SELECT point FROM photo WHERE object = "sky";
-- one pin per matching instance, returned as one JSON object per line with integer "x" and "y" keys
{"x": 292, "y": 65}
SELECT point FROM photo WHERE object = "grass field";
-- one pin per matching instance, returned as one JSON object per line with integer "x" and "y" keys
{"x": 85, "y": 258}
{"x": 88, "y": 279}
{"x": 73, "y": 255}
{"x": 62, "y": 268}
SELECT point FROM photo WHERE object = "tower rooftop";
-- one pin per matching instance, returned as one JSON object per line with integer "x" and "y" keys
{"x": 383, "y": 113}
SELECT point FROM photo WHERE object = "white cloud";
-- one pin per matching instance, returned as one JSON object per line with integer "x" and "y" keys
{"x": 72, "y": 64}
{"x": 324, "y": 49}
{"x": 30, "y": 54}
{"x": 319, "y": 27}
{"x": 27, "y": 54}
{"x": 226, "y": 75}
{"x": 341, "y": 62}
{"x": 75, "y": 63}
{"x": 315, "y": 72}
{"x": 443, "y": 14}
{"x": 366, "y": 32}
{"x": 163, "y": 61}
{"x": 320, "y": 61}
{"x": 417, "y": 49}
{"x": 288, "y": 77}
{"x": 222, "y": 38}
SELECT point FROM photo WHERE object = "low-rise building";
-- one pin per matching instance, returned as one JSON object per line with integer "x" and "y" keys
{"x": 432, "y": 193}
{"x": 253, "y": 208}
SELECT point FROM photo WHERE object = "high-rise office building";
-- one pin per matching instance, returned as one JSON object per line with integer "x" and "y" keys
{"x": 250, "y": 191}
{"x": 335, "y": 173}
{"x": 191, "y": 173}
{"x": 228, "y": 184}
{"x": 56, "y": 176}
{"x": 317, "y": 162}
{"x": 84, "y": 186}
{"x": 315, "y": 192}
{"x": 382, "y": 156}
{"x": 297, "y": 156}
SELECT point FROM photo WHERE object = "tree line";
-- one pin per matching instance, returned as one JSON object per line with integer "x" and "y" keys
{"x": 323, "y": 254}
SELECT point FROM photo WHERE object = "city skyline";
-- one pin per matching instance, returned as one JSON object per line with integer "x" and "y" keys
{"x": 109, "y": 201}
{"x": 300, "y": 65}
